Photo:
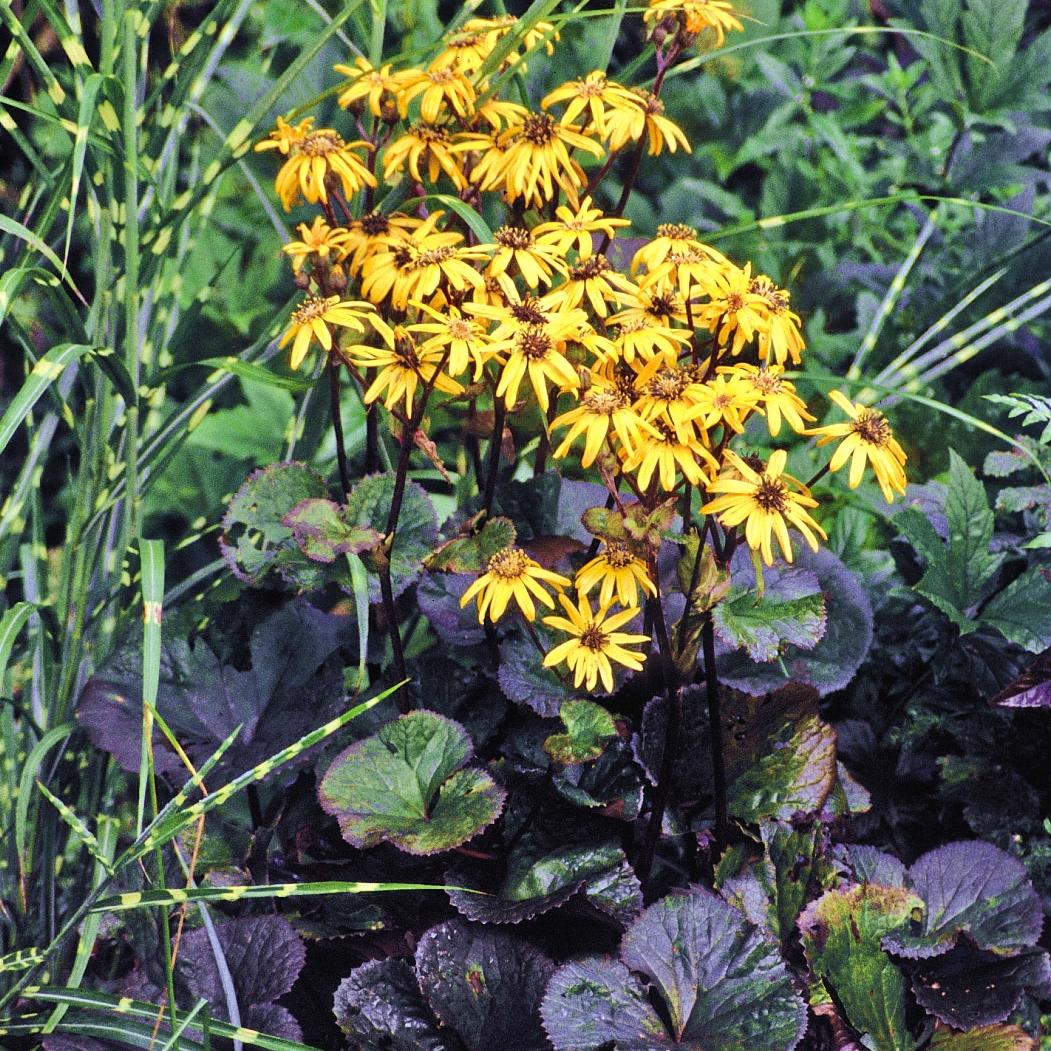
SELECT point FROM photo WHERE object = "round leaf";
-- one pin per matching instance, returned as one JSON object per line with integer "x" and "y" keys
{"x": 407, "y": 785}
{"x": 589, "y": 726}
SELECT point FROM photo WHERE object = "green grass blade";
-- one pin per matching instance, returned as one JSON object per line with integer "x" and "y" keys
{"x": 14, "y": 620}
{"x": 43, "y": 374}
{"x": 25, "y": 790}
{"x": 184, "y": 895}
{"x": 23, "y": 233}
{"x": 21, "y": 960}
{"x": 81, "y": 832}
{"x": 894, "y": 291}
{"x": 85, "y": 116}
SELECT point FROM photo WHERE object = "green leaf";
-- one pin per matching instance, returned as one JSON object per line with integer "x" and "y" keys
{"x": 255, "y": 541}
{"x": 41, "y": 376}
{"x": 721, "y": 984}
{"x": 993, "y": 28}
{"x": 986, "y": 1038}
{"x": 589, "y": 727}
{"x": 842, "y": 932}
{"x": 369, "y": 504}
{"x": 794, "y": 777}
{"x": 763, "y": 624}
{"x": 471, "y": 553}
{"x": 957, "y": 571}
{"x": 320, "y": 529}
{"x": 408, "y": 785}
{"x": 1022, "y": 611}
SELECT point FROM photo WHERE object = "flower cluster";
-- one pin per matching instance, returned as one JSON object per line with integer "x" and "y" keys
{"x": 647, "y": 374}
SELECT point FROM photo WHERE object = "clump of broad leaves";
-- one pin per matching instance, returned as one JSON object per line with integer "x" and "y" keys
{"x": 871, "y": 888}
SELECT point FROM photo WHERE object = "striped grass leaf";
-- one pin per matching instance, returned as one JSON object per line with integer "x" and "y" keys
{"x": 15, "y": 229}
{"x": 893, "y": 294}
{"x": 81, "y": 832}
{"x": 46, "y": 370}
{"x": 30, "y": 769}
{"x": 85, "y": 116}
{"x": 21, "y": 960}
{"x": 184, "y": 895}
{"x": 12, "y": 622}
{"x": 239, "y": 367}
{"x": 167, "y": 825}
{"x": 128, "y": 1009}
{"x": 906, "y": 31}
{"x": 125, "y": 1032}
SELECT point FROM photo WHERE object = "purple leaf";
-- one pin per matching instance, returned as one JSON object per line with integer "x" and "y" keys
{"x": 1032, "y": 689}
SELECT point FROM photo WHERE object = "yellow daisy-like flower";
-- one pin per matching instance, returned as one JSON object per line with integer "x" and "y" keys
{"x": 312, "y": 318}
{"x": 320, "y": 242}
{"x": 724, "y": 399}
{"x": 441, "y": 87}
{"x": 779, "y": 398}
{"x": 465, "y": 51}
{"x": 575, "y": 228}
{"x": 766, "y": 501}
{"x": 603, "y": 410}
{"x": 734, "y": 312}
{"x": 667, "y": 455}
{"x": 312, "y": 160}
{"x": 629, "y": 123}
{"x": 620, "y": 572}
{"x": 467, "y": 339}
{"x": 689, "y": 269}
{"x": 645, "y": 338}
{"x": 657, "y": 301}
{"x": 533, "y": 157}
{"x": 424, "y": 149}
{"x": 596, "y": 281}
{"x": 373, "y": 232}
{"x": 697, "y": 16}
{"x": 535, "y": 262}
{"x": 285, "y": 137}
{"x": 669, "y": 391}
{"x": 595, "y": 643}
{"x": 867, "y": 438}
{"x": 413, "y": 268}
{"x": 671, "y": 237}
{"x": 539, "y": 352}
{"x": 590, "y": 96}
{"x": 377, "y": 88}
{"x": 402, "y": 365}
{"x": 780, "y": 338}
{"x": 512, "y": 574}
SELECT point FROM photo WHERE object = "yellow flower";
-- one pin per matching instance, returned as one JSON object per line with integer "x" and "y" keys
{"x": 595, "y": 280}
{"x": 595, "y": 642}
{"x": 629, "y": 123}
{"x": 603, "y": 410}
{"x": 697, "y": 16}
{"x": 781, "y": 334}
{"x": 424, "y": 145}
{"x": 535, "y": 262}
{"x": 656, "y": 302}
{"x": 312, "y": 159}
{"x": 465, "y": 50}
{"x": 642, "y": 337}
{"x": 467, "y": 339}
{"x": 668, "y": 454}
{"x": 377, "y": 87}
{"x": 733, "y": 310}
{"x": 319, "y": 242}
{"x": 539, "y": 351}
{"x": 690, "y": 269}
{"x": 620, "y": 573}
{"x": 285, "y": 137}
{"x": 402, "y": 365}
{"x": 671, "y": 237}
{"x": 866, "y": 439}
{"x": 724, "y": 399}
{"x": 590, "y": 96}
{"x": 375, "y": 232}
{"x": 765, "y": 502}
{"x": 532, "y": 159}
{"x": 669, "y": 391}
{"x": 311, "y": 321}
{"x": 576, "y": 228}
{"x": 512, "y": 574}
{"x": 441, "y": 87}
{"x": 413, "y": 268}
{"x": 779, "y": 398}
